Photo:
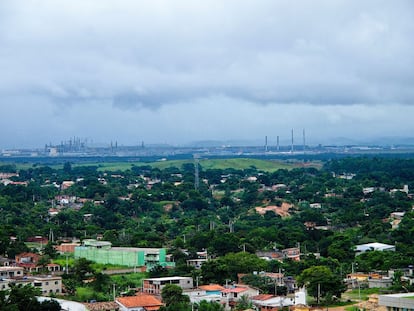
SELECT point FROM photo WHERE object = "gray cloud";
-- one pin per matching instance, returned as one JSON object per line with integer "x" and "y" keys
{"x": 151, "y": 54}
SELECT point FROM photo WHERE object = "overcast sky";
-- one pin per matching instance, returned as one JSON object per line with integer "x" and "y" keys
{"x": 164, "y": 71}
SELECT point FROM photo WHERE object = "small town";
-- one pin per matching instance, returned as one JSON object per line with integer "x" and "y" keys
{"x": 293, "y": 236}
{"x": 235, "y": 155}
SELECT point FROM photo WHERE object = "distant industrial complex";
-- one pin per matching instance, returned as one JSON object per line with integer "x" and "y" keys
{"x": 79, "y": 147}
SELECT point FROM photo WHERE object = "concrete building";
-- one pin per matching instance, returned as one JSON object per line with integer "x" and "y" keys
{"x": 232, "y": 294}
{"x": 374, "y": 247}
{"x": 208, "y": 293}
{"x": 47, "y": 284}
{"x": 273, "y": 303}
{"x": 155, "y": 285}
{"x": 11, "y": 272}
{"x": 397, "y": 302}
{"x": 103, "y": 252}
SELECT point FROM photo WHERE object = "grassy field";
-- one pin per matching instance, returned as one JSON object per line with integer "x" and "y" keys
{"x": 236, "y": 163}
{"x": 239, "y": 163}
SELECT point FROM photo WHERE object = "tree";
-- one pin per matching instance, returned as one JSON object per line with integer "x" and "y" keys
{"x": 209, "y": 306}
{"x": 50, "y": 250}
{"x": 173, "y": 295}
{"x": 243, "y": 303}
{"x": 321, "y": 282}
{"x": 24, "y": 297}
{"x": 81, "y": 268}
{"x": 50, "y": 305}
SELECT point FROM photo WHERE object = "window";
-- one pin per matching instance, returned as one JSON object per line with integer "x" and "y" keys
{"x": 56, "y": 282}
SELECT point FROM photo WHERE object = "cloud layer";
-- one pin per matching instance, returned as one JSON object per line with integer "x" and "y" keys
{"x": 134, "y": 59}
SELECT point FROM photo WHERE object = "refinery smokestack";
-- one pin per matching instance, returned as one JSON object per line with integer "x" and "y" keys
{"x": 304, "y": 140}
{"x": 277, "y": 144}
{"x": 266, "y": 143}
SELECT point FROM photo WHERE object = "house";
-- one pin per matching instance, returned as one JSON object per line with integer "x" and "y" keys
{"x": 397, "y": 302}
{"x": 273, "y": 303}
{"x": 210, "y": 292}
{"x": 11, "y": 272}
{"x": 29, "y": 261}
{"x": 141, "y": 302}
{"x": 292, "y": 253}
{"x": 48, "y": 285}
{"x": 232, "y": 294}
{"x": 66, "y": 247}
{"x": 202, "y": 257}
{"x": 373, "y": 280}
{"x": 374, "y": 247}
{"x": 196, "y": 263}
{"x": 155, "y": 285}
{"x": 288, "y": 253}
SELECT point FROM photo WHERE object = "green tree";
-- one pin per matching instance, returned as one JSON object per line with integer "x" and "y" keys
{"x": 81, "y": 268}
{"x": 173, "y": 295}
{"x": 50, "y": 250}
{"x": 23, "y": 298}
{"x": 50, "y": 305}
{"x": 209, "y": 306}
{"x": 321, "y": 282}
{"x": 243, "y": 303}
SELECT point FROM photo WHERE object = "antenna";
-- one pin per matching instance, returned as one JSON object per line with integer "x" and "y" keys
{"x": 291, "y": 147}
{"x": 304, "y": 141}
{"x": 266, "y": 143}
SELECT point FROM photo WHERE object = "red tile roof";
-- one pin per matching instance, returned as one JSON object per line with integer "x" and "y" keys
{"x": 262, "y": 297}
{"x": 234, "y": 290}
{"x": 142, "y": 300}
{"x": 212, "y": 287}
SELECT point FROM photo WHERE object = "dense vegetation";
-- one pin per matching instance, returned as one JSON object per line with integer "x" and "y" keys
{"x": 152, "y": 207}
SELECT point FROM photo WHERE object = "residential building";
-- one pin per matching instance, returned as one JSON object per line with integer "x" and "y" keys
{"x": 48, "y": 284}
{"x": 292, "y": 253}
{"x": 374, "y": 247}
{"x": 273, "y": 303}
{"x": 103, "y": 252}
{"x": 232, "y": 294}
{"x": 66, "y": 247}
{"x": 11, "y": 272}
{"x": 155, "y": 285}
{"x": 208, "y": 293}
{"x": 141, "y": 302}
{"x": 397, "y": 302}
{"x": 202, "y": 257}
